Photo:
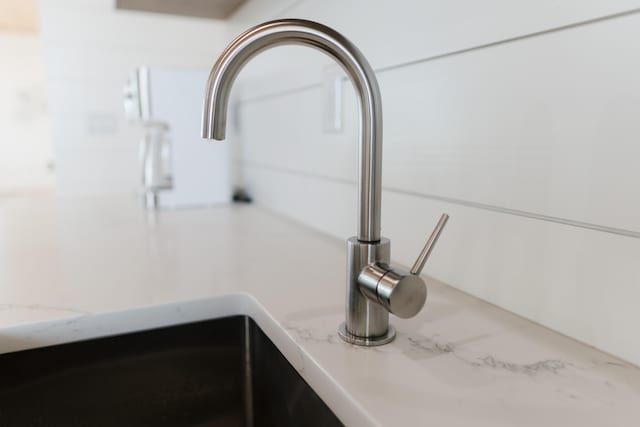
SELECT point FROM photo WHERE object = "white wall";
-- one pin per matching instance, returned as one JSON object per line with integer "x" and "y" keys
{"x": 90, "y": 48}
{"x": 520, "y": 119}
{"x": 25, "y": 144}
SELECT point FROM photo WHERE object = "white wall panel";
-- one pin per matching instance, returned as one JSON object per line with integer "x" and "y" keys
{"x": 547, "y": 125}
{"x": 395, "y": 32}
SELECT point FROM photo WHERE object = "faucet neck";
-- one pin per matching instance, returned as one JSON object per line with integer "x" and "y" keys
{"x": 332, "y": 43}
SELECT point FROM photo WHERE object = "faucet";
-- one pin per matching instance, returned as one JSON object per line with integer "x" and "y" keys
{"x": 374, "y": 288}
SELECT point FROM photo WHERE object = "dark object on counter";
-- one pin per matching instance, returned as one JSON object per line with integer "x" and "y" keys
{"x": 241, "y": 196}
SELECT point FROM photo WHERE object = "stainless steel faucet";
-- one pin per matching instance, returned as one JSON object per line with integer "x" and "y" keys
{"x": 373, "y": 287}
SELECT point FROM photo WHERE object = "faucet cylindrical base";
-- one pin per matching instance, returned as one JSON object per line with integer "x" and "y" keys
{"x": 367, "y": 322}
{"x": 367, "y": 342}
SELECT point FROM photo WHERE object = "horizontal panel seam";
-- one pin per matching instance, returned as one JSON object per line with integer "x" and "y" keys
{"x": 460, "y": 202}
{"x": 457, "y": 52}
{"x": 514, "y": 39}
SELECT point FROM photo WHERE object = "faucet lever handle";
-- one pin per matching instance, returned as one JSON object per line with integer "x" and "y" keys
{"x": 428, "y": 247}
{"x": 401, "y": 292}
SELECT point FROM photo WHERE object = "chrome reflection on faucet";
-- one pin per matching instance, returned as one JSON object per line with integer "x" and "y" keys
{"x": 373, "y": 287}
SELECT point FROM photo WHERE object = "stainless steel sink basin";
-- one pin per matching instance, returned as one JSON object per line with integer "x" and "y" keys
{"x": 222, "y": 372}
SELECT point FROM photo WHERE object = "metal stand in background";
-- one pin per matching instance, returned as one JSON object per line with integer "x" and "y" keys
{"x": 155, "y": 161}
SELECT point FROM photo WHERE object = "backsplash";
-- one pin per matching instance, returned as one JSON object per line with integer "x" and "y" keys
{"x": 520, "y": 121}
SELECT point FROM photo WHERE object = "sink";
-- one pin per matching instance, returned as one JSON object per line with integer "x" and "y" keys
{"x": 222, "y": 372}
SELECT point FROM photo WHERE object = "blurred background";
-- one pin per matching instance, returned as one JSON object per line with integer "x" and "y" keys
{"x": 65, "y": 65}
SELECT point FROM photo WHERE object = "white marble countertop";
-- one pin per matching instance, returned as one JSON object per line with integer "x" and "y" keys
{"x": 72, "y": 269}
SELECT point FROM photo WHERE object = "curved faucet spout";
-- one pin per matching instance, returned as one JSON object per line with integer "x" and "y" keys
{"x": 312, "y": 34}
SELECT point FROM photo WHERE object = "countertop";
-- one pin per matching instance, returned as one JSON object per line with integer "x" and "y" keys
{"x": 77, "y": 268}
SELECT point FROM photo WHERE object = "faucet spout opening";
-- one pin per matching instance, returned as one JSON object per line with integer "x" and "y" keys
{"x": 332, "y": 43}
